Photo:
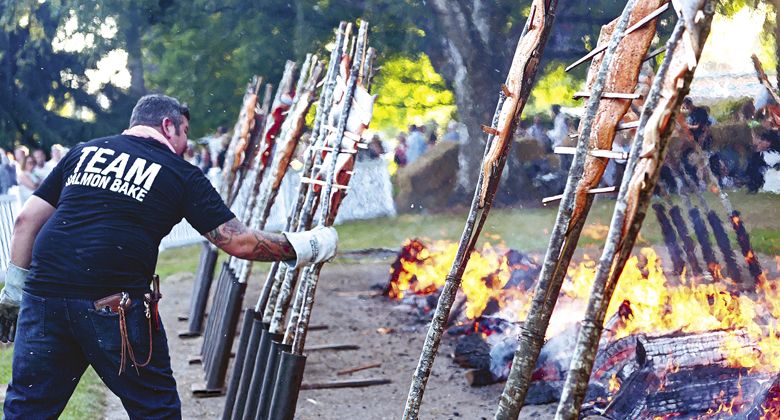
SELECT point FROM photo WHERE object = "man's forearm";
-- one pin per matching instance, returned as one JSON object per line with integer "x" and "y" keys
{"x": 21, "y": 247}
{"x": 238, "y": 240}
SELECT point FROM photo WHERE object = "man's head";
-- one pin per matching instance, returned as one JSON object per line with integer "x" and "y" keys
{"x": 687, "y": 105}
{"x": 555, "y": 109}
{"x": 166, "y": 115}
{"x": 40, "y": 157}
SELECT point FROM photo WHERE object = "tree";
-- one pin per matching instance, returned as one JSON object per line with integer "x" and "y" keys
{"x": 45, "y": 95}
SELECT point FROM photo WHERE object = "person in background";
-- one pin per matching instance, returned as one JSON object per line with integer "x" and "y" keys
{"x": 536, "y": 131}
{"x": 431, "y": 133}
{"x": 763, "y": 172}
{"x": 399, "y": 155}
{"x": 20, "y": 155}
{"x": 40, "y": 163}
{"x": 190, "y": 154}
{"x": 452, "y": 132}
{"x": 7, "y": 173}
{"x": 417, "y": 146}
{"x": 218, "y": 144}
{"x": 57, "y": 152}
{"x": 28, "y": 179}
{"x": 375, "y": 147}
{"x": 560, "y": 128}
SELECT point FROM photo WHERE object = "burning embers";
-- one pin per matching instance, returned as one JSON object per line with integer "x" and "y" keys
{"x": 666, "y": 337}
{"x": 496, "y": 279}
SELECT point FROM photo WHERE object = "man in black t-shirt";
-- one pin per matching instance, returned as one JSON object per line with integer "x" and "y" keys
{"x": 92, "y": 230}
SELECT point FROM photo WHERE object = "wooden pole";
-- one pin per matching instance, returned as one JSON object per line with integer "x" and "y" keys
{"x": 512, "y": 99}
{"x": 566, "y": 232}
{"x": 643, "y": 169}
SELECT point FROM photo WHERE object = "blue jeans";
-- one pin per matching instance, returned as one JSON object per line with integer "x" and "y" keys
{"x": 57, "y": 338}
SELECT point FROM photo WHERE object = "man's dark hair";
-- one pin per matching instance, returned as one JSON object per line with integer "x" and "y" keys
{"x": 152, "y": 109}
{"x": 556, "y": 109}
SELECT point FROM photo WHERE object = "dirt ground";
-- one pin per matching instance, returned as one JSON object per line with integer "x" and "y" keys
{"x": 386, "y": 334}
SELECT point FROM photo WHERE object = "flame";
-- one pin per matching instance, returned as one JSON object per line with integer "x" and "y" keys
{"x": 647, "y": 300}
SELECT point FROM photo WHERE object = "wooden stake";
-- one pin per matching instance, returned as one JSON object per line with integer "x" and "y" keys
{"x": 349, "y": 383}
{"x": 358, "y": 369}
{"x": 519, "y": 81}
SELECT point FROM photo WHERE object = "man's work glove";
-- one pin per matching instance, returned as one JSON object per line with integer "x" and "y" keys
{"x": 10, "y": 299}
{"x": 312, "y": 246}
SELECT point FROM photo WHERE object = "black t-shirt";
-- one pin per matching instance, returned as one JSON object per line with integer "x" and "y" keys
{"x": 116, "y": 198}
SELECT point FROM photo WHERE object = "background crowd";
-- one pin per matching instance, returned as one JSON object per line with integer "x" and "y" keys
{"x": 22, "y": 171}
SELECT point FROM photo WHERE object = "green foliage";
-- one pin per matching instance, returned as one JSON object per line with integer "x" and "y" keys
{"x": 410, "y": 92}
{"x": 555, "y": 86}
{"x": 40, "y": 83}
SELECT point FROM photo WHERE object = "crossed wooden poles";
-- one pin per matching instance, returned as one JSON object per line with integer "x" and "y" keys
{"x": 612, "y": 78}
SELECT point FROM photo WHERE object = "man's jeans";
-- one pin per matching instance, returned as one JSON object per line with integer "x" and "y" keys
{"x": 57, "y": 338}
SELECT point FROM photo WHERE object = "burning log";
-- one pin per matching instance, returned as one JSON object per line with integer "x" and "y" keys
{"x": 670, "y": 238}
{"x": 597, "y": 130}
{"x": 766, "y": 404}
{"x": 639, "y": 182}
{"x": 512, "y": 99}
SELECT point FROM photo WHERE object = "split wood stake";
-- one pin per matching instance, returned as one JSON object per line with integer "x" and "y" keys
{"x": 323, "y": 347}
{"x": 349, "y": 383}
{"x": 568, "y": 225}
{"x": 519, "y": 82}
{"x": 358, "y": 369}
{"x": 643, "y": 169}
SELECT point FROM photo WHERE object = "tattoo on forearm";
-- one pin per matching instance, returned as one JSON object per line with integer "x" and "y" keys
{"x": 225, "y": 232}
{"x": 271, "y": 247}
{"x": 251, "y": 244}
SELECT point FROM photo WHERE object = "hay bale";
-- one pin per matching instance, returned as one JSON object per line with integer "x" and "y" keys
{"x": 429, "y": 181}
{"x": 527, "y": 150}
{"x": 736, "y": 135}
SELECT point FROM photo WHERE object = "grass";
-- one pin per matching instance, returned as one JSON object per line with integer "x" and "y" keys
{"x": 529, "y": 229}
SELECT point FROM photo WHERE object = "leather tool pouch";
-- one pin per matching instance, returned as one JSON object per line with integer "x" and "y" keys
{"x": 111, "y": 303}
{"x": 119, "y": 303}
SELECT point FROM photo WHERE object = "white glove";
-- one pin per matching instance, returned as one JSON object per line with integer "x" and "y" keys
{"x": 312, "y": 246}
{"x": 10, "y": 300}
